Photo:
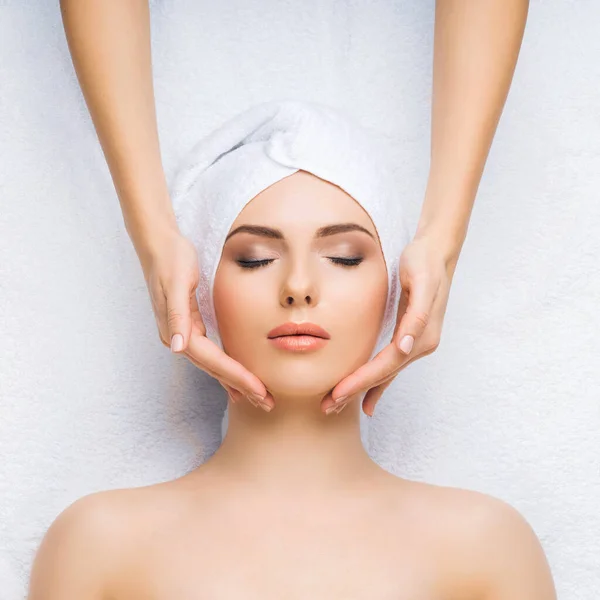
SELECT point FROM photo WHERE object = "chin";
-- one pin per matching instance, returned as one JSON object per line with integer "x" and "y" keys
{"x": 285, "y": 390}
{"x": 299, "y": 380}
{"x": 301, "y": 374}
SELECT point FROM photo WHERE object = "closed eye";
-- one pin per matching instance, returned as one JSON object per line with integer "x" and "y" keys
{"x": 254, "y": 264}
{"x": 338, "y": 260}
{"x": 347, "y": 262}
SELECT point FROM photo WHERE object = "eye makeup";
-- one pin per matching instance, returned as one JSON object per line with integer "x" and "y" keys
{"x": 338, "y": 260}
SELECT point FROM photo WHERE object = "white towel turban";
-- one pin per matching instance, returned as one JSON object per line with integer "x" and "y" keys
{"x": 261, "y": 146}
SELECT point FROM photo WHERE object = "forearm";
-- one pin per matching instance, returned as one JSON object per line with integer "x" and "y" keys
{"x": 476, "y": 45}
{"x": 109, "y": 41}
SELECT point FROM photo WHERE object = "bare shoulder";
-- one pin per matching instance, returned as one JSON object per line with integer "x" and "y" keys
{"x": 81, "y": 551}
{"x": 493, "y": 552}
{"x": 512, "y": 558}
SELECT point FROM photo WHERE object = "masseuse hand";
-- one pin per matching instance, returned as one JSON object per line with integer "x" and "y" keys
{"x": 172, "y": 276}
{"x": 425, "y": 278}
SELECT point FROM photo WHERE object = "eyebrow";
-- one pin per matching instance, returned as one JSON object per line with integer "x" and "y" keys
{"x": 277, "y": 234}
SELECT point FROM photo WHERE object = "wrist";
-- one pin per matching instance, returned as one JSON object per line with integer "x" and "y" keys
{"x": 149, "y": 227}
{"x": 154, "y": 244}
{"x": 444, "y": 241}
{"x": 445, "y": 217}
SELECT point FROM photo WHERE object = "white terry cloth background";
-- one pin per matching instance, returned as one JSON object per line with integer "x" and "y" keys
{"x": 508, "y": 405}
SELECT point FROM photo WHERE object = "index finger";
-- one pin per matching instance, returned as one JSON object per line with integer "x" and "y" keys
{"x": 370, "y": 374}
{"x": 206, "y": 355}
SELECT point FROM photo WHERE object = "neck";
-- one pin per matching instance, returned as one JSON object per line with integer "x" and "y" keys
{"x": 295, "y": 447}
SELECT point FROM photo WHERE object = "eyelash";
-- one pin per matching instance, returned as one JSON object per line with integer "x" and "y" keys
{"x": 255, "y": 264}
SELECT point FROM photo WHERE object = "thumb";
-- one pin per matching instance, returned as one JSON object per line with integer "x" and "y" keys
{"x": 179, "y": 319}
{"x": 421, "y": 295}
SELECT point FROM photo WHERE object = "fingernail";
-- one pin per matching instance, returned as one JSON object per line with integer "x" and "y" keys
{"x": 406, "y": 344}
{"x": 339, "y": 409}
{"x": 176, "y": 342}
{"x": 252, "y": 401}
{"x": 340, "y": 399}
{"x": 265, "y": 406}
{"x": 330, "y": 410}
{"x": 257, "y": 397}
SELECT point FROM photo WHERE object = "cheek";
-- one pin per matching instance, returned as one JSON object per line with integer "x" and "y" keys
{"x": 361, "y": 305}
{"x": 238, "y": 305}
{"x": 227, "y": 305}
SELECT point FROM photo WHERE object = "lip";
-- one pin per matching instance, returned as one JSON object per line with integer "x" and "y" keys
{"x": 300, "y": 330}
{"x": 298, "y": 343}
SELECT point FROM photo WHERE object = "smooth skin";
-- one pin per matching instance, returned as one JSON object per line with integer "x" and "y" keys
{"x": 291, "y": 505}
{"x": 476, "y": 46}
{"x": 124, "y": 544}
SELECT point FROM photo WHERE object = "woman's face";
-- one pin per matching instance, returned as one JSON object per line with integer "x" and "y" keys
{"x": 301, "y": 251}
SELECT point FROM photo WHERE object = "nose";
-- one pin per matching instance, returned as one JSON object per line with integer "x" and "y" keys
{"x": 300, "y": 286}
